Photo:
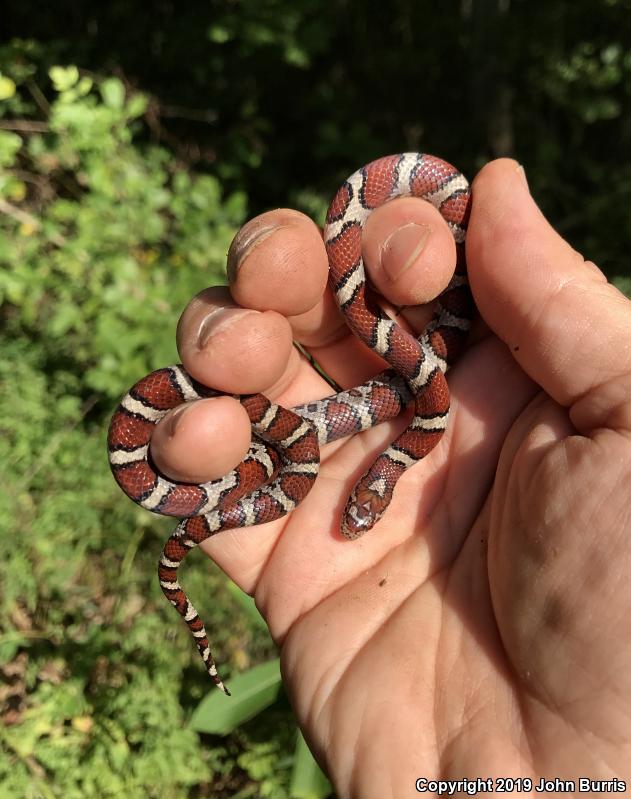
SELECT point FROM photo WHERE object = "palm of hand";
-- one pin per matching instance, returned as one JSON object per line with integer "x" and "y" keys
{"x": 457, "y": 620}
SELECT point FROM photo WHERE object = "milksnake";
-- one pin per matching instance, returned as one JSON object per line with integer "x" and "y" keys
{"x": 282, "y": 464}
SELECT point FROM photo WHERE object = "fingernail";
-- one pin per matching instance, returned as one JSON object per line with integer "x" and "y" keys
{"x": 176, "y": 416}
{"x": 401, "y": 249}
{"x": 522, "y": 174}
{"x": 246, "y": 240}
{"x": 219, "y": 319}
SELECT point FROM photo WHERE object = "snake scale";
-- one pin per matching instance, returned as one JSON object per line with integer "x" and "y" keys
{"x": 282, "y": 463}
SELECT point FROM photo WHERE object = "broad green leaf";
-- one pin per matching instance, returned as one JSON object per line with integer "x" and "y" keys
{"x": 308, "y": 781}
{"x": 252, "y": 692}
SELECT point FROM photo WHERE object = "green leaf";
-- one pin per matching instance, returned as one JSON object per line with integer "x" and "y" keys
{"x": 113, "y": 93}
{"x": 252, "y": 692}
{"x": 63, "y": 78}
{"x": 219, "y": 34}
{"x": 307, "y": 778}
{"x": 84, "y": 86}
{"x": 297, "y": 56}
{"x": 7, "y": 88}
{"x": 10, "y": 144}
{"x": 137, "y": 105}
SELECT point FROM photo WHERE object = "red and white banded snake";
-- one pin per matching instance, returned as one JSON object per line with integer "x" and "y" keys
{"x": 283, "y": 461}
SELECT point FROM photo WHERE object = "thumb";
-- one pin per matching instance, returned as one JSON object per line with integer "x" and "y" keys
{"x": 567, "y": 327}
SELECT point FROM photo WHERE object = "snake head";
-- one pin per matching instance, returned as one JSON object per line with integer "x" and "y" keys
{"x": 363, "y": 510}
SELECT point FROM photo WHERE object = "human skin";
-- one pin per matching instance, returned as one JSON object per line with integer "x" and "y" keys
{"x": 482, "y": 627}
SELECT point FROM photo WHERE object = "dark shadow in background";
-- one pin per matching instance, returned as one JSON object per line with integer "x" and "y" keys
{"x": 282, "y": 99}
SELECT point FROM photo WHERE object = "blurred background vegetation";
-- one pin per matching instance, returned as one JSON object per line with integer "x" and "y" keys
{"x": 134, "y": 140}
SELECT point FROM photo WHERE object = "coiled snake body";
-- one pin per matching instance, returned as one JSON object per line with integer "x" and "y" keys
{"x": 282, "y": 464}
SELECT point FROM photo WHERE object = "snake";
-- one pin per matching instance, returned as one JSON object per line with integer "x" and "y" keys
{"x": 282, "y": 463}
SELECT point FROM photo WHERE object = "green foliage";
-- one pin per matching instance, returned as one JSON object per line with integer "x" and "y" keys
{"x": 103, "y": 239}
{"x": 89, "y": 680}
{"x": 125, "y": 236}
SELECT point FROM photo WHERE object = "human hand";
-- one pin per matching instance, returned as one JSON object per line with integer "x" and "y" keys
{"x": 478, "y": 630}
